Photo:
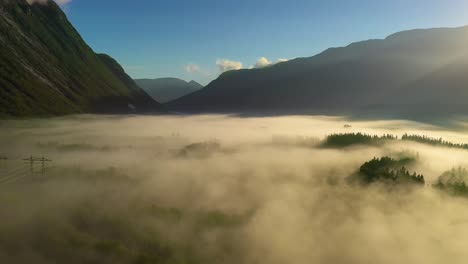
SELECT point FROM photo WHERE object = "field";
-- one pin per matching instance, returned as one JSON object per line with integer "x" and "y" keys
{"x": 227, "y": 189}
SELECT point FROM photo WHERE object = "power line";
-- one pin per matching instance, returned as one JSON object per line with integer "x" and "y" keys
{"x": 15, "y": 169}
{"x": 42, "y": 160}
{"x": 21, "y": 169}
{"x": 24, "y": 170}
{"x": 16, "y": 174}
{"x": 15, "y": 179}
{"x": 6, "y": 173}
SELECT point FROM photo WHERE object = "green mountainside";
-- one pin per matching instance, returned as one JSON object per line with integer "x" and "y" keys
{"x": 46, "y": 68}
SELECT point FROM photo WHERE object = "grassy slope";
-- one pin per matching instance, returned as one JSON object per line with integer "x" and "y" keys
{"x": 47, "y": 69}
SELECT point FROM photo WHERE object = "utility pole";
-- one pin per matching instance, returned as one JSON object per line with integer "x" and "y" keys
{"x": 31, "y": 164}
{"x": 43, "y": 161}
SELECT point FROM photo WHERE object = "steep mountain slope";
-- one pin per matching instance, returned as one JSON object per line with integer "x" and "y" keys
{"x": 337, "y": 80}
{"x": 167, "y": 89}
{"x": 444, "y": 91}
{"x": 144, "y": 102}
{"x": 47, "y": 69}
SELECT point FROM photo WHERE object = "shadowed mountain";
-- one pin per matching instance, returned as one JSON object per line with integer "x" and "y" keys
{"x": 441, "y": 92}
{"x": 167, "y": 89}
{"x": 362, "y": 76}
{"x": 46, "y": 68}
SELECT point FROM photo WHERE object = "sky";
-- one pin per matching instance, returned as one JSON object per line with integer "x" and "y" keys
{"x": 198, "y": 40}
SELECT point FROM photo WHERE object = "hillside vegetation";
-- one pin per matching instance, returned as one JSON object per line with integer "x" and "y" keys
{"x": 46, "y": 68}
{"x": 352, "y": 139}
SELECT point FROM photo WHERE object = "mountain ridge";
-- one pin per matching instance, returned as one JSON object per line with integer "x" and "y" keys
{"x": 46, "y": 68}
{"x": 167, "y": 89}
{"x": 343, "y": 79}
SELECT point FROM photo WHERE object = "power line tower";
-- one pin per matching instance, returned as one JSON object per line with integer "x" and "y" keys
{"x": 43, "y": 162}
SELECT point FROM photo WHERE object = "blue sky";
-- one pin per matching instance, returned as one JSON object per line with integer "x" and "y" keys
{"x": 199, "y": 39}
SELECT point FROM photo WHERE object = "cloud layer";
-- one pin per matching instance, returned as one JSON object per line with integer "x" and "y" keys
{"x": 192, "y": 68}
{"x": 219, "y": 189}
{"x": 59, "y": 2}
{"x": 264, "y": 62}
{"x": 62, "y": 2}
{"x": 225, "y": 65}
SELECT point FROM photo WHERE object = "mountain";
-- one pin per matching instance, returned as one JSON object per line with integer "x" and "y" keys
{"x": 167, "y": 89}
{"x": 46, "y": 68}
{"x": 373, "y": 74}
{"x": 444, "y": 91}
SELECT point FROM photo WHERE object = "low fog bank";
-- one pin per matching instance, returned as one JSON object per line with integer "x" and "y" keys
{"x": 222, "y": 189}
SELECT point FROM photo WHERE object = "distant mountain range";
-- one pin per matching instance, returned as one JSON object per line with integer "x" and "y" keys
{"x": 412, "y": 73}
{"x": 167, "y": 89}
{"x": 47, "y": 69}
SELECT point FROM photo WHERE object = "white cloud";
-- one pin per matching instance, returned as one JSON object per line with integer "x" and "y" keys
{"x": 196, "y": 71}
{"x": 192, "y": 68}
{"x": 264, "y": 62}
{"x": 59, "y": 2}
{"x": 62, "y": 2}
{"x": 281, "y": 60}
{"x": 225, "y": 65}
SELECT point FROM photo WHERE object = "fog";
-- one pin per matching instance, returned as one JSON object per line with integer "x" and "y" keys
{"x": 223, "y": 189}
